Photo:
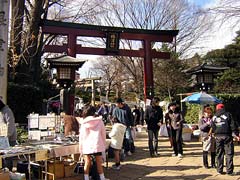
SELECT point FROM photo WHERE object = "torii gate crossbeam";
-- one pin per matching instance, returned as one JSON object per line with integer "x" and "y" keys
{"x": 73, "y": 30}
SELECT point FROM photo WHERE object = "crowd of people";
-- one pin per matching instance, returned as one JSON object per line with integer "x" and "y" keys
{"x": 217, "y": 132}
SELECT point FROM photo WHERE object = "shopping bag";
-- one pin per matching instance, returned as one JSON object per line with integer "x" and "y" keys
{"x": 79, "y": 168}
{"x": 163, "y": 130}
{"x": 207, "y": 143}
{"x": 133, "y": 133}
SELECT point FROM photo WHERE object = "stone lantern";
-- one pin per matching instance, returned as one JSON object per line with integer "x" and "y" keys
{"x": 66, "y": 67}
{"x": 205, "y": 75}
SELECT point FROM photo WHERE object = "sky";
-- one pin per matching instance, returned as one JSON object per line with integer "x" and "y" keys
{"x": 200, "y": 2}
{"x": 218, "y": 37}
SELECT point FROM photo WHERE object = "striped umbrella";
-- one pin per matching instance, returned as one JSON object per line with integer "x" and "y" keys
{"x": 201, "y": 98}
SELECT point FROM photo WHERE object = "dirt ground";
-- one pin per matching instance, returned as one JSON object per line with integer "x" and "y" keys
{"x": 141, "y": 166}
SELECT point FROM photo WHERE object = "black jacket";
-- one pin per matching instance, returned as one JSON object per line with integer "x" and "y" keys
{"x": 174, "y": 119}
{"x": 153, "y": 115}
{"x": 223, "y": 124}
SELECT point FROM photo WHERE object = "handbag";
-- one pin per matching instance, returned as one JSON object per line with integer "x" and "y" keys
{"x": 79, "y": 168}
{"x": 207, "y": 141}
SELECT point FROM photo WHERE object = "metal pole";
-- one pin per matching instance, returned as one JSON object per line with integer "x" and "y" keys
{"x": 4, "y": 21}
{"x": 93, "y": 92}
{"x": 181, "y": 102}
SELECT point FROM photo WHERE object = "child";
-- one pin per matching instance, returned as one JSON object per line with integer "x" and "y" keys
{"x": 92, "y": 140}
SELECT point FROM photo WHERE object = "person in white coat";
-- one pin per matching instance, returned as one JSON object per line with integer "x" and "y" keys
{"x": 7, "y": 118}
{"x": 117, "y": 135}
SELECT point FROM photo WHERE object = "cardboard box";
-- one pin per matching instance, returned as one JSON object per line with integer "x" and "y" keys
{"x": 17, "y": 176}
{"x": 56, "y": 168}
{"x": 187, "y": 136}
{"x": 4, "y": 176}
{"x": 69, "y": 169}
{"x": 37, "y": 171}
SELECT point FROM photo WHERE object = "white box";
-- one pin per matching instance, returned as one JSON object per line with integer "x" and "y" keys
{"x": 187, "y": 136}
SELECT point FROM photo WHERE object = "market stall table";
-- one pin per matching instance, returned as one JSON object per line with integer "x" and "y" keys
{"x": 40, "y": 152}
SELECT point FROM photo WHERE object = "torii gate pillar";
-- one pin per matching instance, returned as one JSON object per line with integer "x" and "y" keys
{"x": 72, "y": 40}
{"x": 148, "y": 71}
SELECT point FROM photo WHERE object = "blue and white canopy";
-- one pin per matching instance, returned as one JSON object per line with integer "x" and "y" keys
{"x": 201, "y": 98}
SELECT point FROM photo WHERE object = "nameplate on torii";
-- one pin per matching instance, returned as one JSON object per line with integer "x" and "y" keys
{"x": 1, "y": 71}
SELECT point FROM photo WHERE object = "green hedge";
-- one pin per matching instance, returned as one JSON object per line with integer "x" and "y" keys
{"x": 23, "y": 100}
{"x": 231, "y": 102}
{"x": 22, "y": 135}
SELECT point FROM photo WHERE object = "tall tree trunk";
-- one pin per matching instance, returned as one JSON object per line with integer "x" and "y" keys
{"x": 17, "y": 25}
{"x": 17, "y": 17}
{"x": 31, "y": 57}
{"x": 33, "y": 40}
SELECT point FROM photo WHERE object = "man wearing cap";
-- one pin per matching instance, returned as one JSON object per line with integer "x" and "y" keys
{"x": 224, "y": 128}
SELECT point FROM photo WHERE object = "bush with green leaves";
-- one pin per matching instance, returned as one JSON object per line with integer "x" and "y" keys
{"x": 192, "y": 113}
{"x": 24, "y": 99}
{"x": 230, "y": 101}
{"x": 22, "y": 135}
{"x": 232, "y": 104}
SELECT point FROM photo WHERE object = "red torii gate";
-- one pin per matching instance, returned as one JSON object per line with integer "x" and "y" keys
{"x": 112, "y": 35}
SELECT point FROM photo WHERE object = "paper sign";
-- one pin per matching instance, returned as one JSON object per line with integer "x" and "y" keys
{"x": 33, "y": 120}
{"x": 46, "y": 122}
{"x": 43, "y": 122}
{"x": 51, "y": 121}
{"x": 4, "y": 143}
{"x": 3, "y": 129}
{"x": 148, "y": 102}
{"x": 44, "y": 133}
{"x": 41, "y": 155}
{"x": 36, "y": 135}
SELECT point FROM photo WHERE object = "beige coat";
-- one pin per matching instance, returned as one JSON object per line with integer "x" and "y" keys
{"x": 117, "y": 135}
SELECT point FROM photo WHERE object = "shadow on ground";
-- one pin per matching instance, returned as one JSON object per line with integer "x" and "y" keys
{"x": 148, "y": 172}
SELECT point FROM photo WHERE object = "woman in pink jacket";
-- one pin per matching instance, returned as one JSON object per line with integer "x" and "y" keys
{"x": 92, "y": 140}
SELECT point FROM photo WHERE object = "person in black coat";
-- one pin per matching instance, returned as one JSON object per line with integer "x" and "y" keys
{"x": 174, "y": 121}
{"x": 154, "y": 118}
{"x": 224, "y": 129}
{"x": 136, "y": 115}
